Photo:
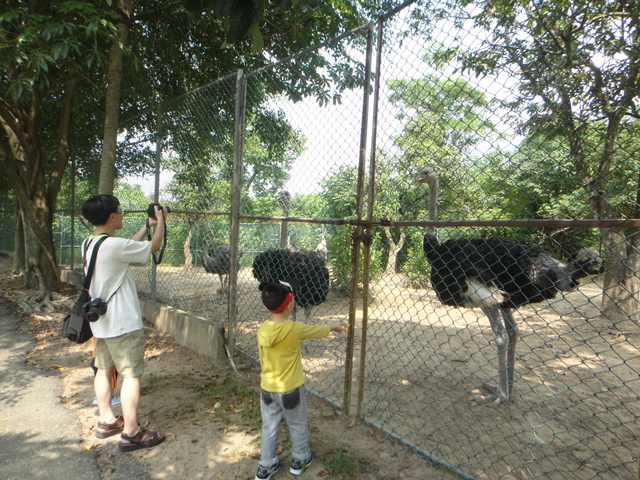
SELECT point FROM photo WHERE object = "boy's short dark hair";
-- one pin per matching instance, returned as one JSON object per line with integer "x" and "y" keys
{"x": 274, "y": 294}
{"x": 98, "y": 208}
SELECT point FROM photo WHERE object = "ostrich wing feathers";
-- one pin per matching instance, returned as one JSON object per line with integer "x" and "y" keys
{"x": 308, "y": 268}
{"x": 513, "y": 273}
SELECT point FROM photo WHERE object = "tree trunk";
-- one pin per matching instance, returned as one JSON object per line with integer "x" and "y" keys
{"x": 36, "y": 190}
{"x": 394, "y": 250}
{"x": 620, "y": 283}
{"x": 19, "y": 248}
{"x": 37, "y": 220}
{"x": 621, "y": 286}
{"x": 112, "y": 100}
{"x": 188, "y": 256}
{"x": 46, "y": 260}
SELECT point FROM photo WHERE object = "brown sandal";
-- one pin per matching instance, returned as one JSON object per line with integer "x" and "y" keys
{"x": 109, "y": 429}
{"x": 143, "y": 439}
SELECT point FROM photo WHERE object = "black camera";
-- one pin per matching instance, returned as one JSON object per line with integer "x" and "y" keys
{"x": 95, "y": 308}
{"x": 151, "y": 213}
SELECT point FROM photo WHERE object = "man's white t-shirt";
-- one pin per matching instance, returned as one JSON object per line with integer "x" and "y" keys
{"x": 110, "y": 272}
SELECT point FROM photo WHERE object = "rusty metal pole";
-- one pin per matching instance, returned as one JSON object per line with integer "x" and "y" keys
{"x": 73, "y": 211}
{"x": 368, "y": 228}
{"x": 236, "y": 199}
{"x": 358, "y": 235}
{"x": 156, "y": 194}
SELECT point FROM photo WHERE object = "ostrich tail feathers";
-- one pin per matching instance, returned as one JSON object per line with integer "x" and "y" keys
{"x": 429, "y": 245}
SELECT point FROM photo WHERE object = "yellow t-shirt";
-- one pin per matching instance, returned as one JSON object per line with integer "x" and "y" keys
{"x": 280, "y": 358}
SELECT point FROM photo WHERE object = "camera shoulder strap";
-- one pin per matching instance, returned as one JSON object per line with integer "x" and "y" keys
{"x": 157, "y": 260}
{"x": 114, "y": 292}
{"x": 92, "y": 262}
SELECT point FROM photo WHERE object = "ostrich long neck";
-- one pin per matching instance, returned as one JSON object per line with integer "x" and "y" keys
{"x": 432, "y": 182}
{"x": 285, "y": 201}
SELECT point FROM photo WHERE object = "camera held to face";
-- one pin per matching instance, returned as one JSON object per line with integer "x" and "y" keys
{"x": 151, "y": 213}
{"x": 95, "y": 308}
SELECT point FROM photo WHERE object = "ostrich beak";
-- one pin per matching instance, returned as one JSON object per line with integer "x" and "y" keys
{"x": 427, "y": 175}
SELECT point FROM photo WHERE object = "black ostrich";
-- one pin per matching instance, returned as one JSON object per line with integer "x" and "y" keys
{"x": 498, "y": 275}
{"x": 308, "y": 268}
{"x": 216, "y": 260}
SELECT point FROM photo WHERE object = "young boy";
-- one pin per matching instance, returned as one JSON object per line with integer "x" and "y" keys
{"x": 282, "y": 379}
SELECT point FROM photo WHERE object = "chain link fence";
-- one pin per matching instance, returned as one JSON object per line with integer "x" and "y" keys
{"x": 251, "y": 168}
{"x": 573, "y": 407}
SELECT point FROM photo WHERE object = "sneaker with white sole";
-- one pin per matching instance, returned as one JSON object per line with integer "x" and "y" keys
{"x": 264, "y": 473}
{"x": 299, "y": 466}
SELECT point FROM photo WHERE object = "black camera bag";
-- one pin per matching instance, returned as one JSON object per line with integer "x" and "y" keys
{"x": 75, "y": 326}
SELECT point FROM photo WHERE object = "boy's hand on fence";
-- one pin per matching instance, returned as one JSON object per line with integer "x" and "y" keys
{"x": 337, "y": 328}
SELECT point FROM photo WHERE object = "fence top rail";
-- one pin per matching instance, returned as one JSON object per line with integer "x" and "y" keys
{"x": 539, "y": 223}
{"x": 77, "y": 211}
{"x": 559, "y": 223}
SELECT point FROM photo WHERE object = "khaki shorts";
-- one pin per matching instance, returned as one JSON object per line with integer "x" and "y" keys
{"x": 126, "y": 352}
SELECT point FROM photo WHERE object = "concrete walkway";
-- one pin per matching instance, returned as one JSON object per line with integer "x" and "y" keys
{"x": 39, "y": 437}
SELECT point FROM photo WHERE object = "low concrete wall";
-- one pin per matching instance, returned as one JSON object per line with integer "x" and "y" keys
{"x": 189, "y": 330}
{"x": 71, "y": 277}
{"x": 194, "y": 332}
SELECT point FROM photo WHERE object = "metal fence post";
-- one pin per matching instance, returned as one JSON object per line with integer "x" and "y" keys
{"x": 359, "y": 235}
{"x": 236, "y": 198}
{"x": 370, "y": 202}
{"x": 73, "y": 212}
{"x": 156, "y": 194}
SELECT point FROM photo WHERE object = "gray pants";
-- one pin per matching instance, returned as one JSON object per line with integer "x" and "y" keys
{"x": 293, "y": 406}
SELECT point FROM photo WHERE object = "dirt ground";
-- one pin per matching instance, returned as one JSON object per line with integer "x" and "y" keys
{"x": 573, "y": 414}
{"x": 574, "y": 410}
{"x": 209, "y": 413}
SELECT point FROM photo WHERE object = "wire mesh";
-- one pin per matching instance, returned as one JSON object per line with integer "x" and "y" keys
{"x": 431, "y": 362}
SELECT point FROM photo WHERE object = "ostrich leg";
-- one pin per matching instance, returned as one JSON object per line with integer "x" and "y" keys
{"x": 512, "y": 332}
{"x": 505, "y": 334}
{"x": 223, "y": 288}
{"x": 306, "y": 349}
{"x": 307, "y": 313}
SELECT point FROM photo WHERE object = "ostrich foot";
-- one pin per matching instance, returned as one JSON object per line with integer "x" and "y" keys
{"x": 496, "y": 396}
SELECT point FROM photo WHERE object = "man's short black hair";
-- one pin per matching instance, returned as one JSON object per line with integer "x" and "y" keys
{"x": 98, "y": 208}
